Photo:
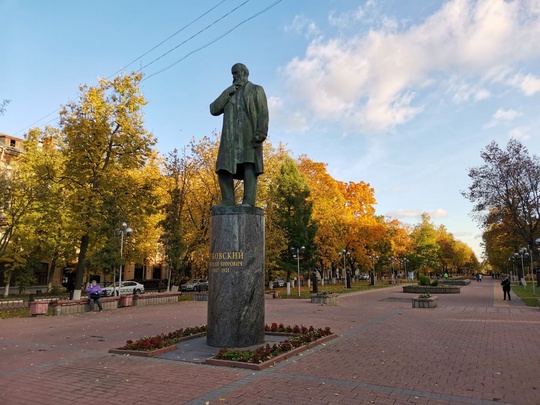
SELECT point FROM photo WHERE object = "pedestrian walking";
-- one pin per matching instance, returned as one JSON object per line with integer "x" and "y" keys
{"x": 506, "y": 288}
{"x": 94, "y": 295}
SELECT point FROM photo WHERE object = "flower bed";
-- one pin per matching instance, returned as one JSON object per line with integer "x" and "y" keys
{"x": 464, "y": 281}
{"x": 325, "y": 299}
{"x": 165, "y": 342}
{"x": 423, "y": 289}
{"x": 425, "y": 301}
{"x": 265, "y": 356}
{"x": 140, "y": 300}
{"x": 302, "y": 338}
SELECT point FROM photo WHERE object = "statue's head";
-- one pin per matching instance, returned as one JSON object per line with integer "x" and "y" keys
{"x": 240, "y": 74}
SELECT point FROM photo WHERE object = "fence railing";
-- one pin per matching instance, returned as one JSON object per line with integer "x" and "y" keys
{"x": 19, "y": 303}
{"x": 13, "y": 304}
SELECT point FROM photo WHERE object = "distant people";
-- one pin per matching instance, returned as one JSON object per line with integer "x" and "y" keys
{"x": 477, "y": 277}
{"x": 506, "y": 288}
{"x": 94, "y": 295}
{"x": 446, "y": 276}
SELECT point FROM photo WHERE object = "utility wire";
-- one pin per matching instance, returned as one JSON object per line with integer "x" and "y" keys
{"x": 176, "y": 47}
{"x": 171, "y": 36}
{"x": 195, "y": 35}
{"x": 211, "y": 42}
{"x": 130, "y": 63}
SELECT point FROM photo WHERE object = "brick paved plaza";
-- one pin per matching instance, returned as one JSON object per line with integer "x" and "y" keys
{"x": 473, "y": 348}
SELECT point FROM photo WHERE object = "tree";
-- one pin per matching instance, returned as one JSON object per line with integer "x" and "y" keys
{"x": 22, "y": 191}
{"x": 3, "y": 105}
{"x": 426, "y": 250}
{"x": 103, "y": 137}
{"x": 293, "y": 211}
{"x": 178, "y": 176}
{"x": 329, "y": 204}
{"x": 505, "y": 190}
{"x": 47, "y": 227}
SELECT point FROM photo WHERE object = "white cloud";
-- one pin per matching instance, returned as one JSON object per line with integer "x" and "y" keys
{"x": 520, "y": 133}
{"x": 528, "y": 84}
{"x": 363, "y": 14}
{"x": 502, "y": 115}
{"x": 401, "y": 213}
{"x": 463, "y": 92}
{"x": 304, "y": 26}
{"x": 438, "y": 214}
{"x": 417, "y": 214}
{"x": 376, "y": 81}
{"x": 288, "y": 122}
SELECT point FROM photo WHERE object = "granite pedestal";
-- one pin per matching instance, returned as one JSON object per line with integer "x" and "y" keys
{"x": 236, "y": 277}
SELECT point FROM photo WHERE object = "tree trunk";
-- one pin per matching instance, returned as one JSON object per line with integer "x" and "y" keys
{"x": 50, "y": 273}
{"x": 79, "y": 274}
{"x": 7, "y": 279}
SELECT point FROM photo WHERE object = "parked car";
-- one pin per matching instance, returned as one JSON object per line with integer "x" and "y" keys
{"x": 127, "y": 287}
{"x": 279, "y": 283}
{"x": 195, "y": 285}
{"x": 155, "y": 284}
{"x": 364, "y": 277}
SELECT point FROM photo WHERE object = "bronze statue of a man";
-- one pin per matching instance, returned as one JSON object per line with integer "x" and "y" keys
{"x": 245, "y": 127}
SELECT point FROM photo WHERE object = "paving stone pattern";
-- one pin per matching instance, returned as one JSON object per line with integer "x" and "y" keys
{"x": 474, "y": 348}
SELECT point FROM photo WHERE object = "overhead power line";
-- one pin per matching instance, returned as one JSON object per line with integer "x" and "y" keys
{"x": 195, "y": 35}
{"x": 176, "y": 47}
{"x": 170, "y": 37}
{"x": 213, "y": 41}
{"x": 130, "y": 63}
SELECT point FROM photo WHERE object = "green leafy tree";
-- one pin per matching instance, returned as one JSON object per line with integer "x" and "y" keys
{"x": 23, "y": 190}
{"x": 47, "y": 226}
{"x": 293, "y": 211}
{"x": 425, "y": 251}
{"x": 174, "y": 224}
{"x": 103, "y": 139}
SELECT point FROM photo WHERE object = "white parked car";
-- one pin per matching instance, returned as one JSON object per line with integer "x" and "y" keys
{"x": 128, "y": 287}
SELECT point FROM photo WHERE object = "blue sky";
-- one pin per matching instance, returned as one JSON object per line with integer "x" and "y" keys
{"x": 400, "y": 94}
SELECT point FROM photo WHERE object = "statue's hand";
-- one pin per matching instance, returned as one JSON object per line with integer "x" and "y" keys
{"x": 232, "y": 90}
{"x": 258, "y": 139}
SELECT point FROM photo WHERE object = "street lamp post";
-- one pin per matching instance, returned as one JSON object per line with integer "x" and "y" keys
{"x": 392, "y": 276}
{"x": 537, "y": 241}
{"x": 532, "y": 271}
{"x": 373, "y": 257}
{"x": 404, "y": 261}
{"x": 512, "y": 260}
{"x": 297, "y": 251}
{"x": 346, "y": 280}
{"x": 123, "y": 230}
{"x": 521, "y": 254}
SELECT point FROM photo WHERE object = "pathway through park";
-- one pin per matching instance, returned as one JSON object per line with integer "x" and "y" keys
{"x": 474, "y": 348}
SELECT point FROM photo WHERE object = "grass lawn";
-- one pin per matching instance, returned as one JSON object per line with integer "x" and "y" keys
{"x": 526, "y": 294}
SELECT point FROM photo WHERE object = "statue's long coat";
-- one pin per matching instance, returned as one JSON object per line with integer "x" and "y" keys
{"x": 245, "y": 114}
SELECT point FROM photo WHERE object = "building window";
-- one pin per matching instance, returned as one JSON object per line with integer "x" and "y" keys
{"x": 139, "y": 272}
{"x": 156, "y": 273}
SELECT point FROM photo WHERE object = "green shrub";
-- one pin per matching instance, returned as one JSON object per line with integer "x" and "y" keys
{"x": 435, "y": 283}
{"x": 423, "y": 280}
{"x": 58, "y": 289}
